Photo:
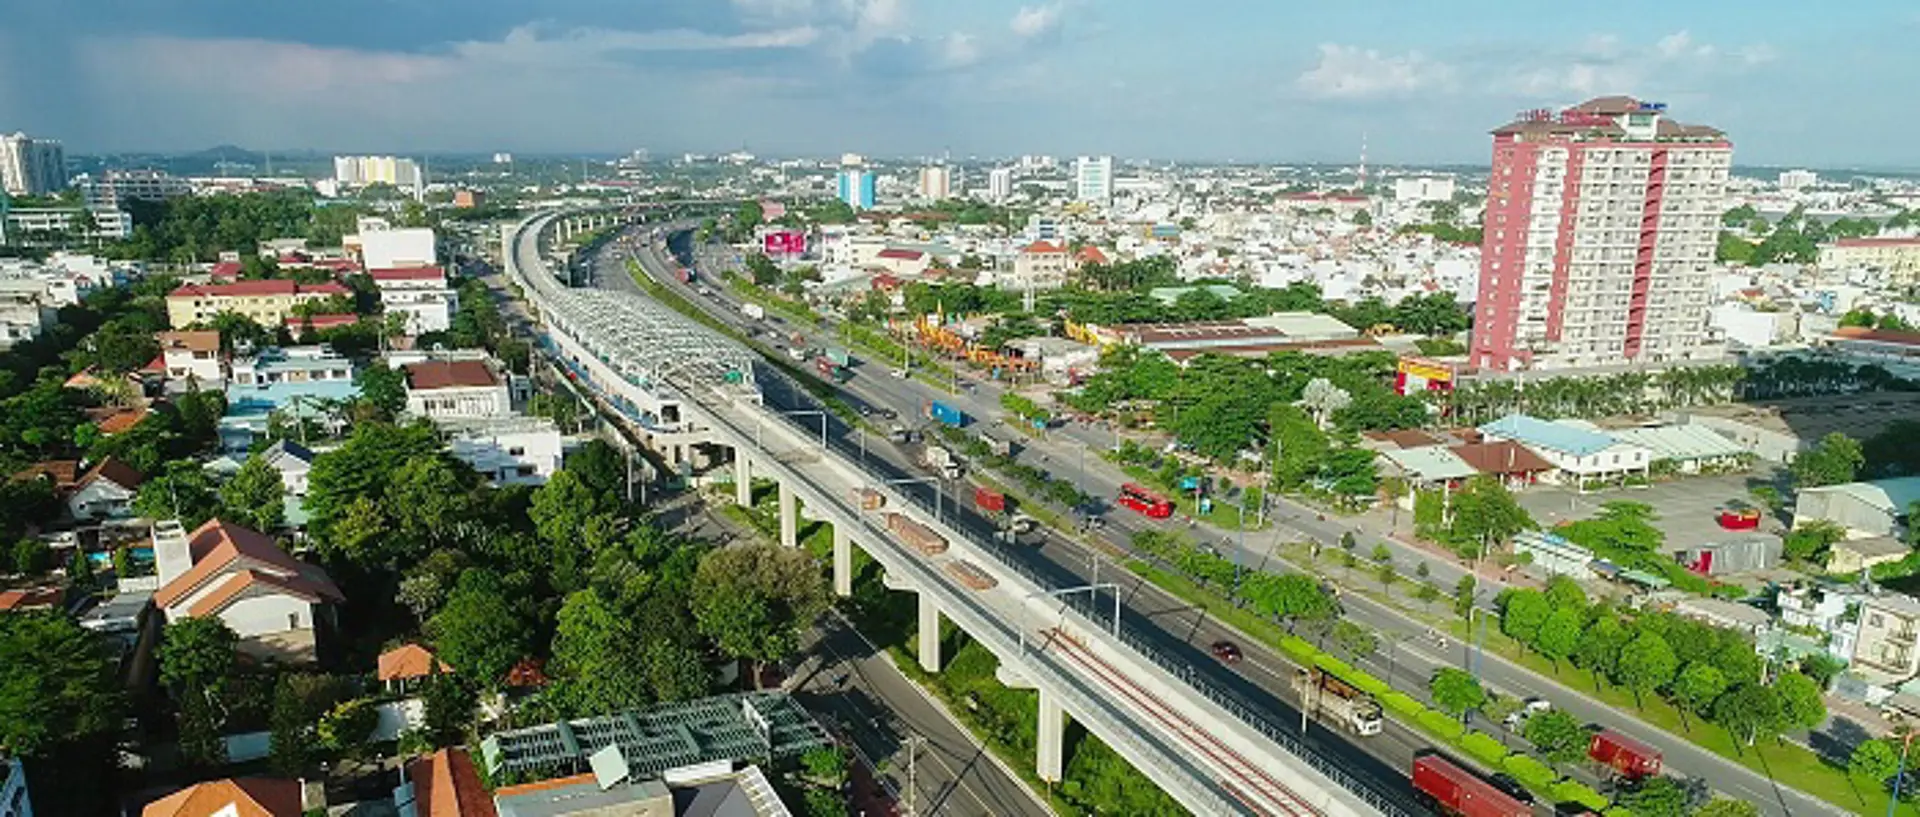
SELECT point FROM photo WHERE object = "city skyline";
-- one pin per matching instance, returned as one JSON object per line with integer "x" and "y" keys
{"x": 1273, "y": 82}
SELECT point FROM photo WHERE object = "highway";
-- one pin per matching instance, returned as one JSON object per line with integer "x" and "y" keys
{"x": 1408, "y": 656}
{"x": 1260, "y": 683}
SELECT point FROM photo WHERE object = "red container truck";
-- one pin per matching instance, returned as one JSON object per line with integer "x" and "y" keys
{"x": 1456, "y": 791}
{"x": 989, "y": 500}
{"x": 1627, "y": 757}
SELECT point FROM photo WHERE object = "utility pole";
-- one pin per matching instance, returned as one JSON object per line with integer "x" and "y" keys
{"x": 913, "y": 746}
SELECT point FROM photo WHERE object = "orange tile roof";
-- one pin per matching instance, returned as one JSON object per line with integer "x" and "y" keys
{"x": 1091, "y": 255}
{"x": 446, "y": 784}
{"x": 217, "y": 545}
{"x": 63, "y": 472}
{"x": 123, "y": 421}
{"x": 247, "y": 796}
{"x": 192, "y": 340}
{"x": 230, "y": 591}
{"x": 544, "y": 785}
{"x": 410, "y": 660}
{"x": 1043, "y": 247}
{"x": 32, "y": 598}
{"x": 407, "y": 273}
{"x": 445, "y": 374}
{"x": 112, "y": 469}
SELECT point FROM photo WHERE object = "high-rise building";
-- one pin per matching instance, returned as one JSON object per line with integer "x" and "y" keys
{"x": 1798, "y": 179}
{"x": 1000, "y": 184}
{"x": 1600, "y": 230}
{"x": 31, "y": 167}
{"x": 1093, "y": 179}
{"x": 856, "y": 188}
{"x": 936, "y": 183}
{"x": 365, "y": 170}
{"x": 115, "y": 188}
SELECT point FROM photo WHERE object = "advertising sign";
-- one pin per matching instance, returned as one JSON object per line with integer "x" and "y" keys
{"x": 785, "y": 242}
{"x": 1419, "y": 374}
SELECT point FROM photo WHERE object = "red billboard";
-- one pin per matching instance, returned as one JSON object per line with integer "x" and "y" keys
{"x": 785, "y": 242}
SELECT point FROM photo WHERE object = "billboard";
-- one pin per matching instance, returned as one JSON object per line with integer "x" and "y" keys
{"x": 1416, "y": 375}
{"x": 785, "y": 242}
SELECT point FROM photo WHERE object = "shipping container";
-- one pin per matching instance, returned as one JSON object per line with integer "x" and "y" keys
{"x": 869, "y": 499}
{"x": 942, "y": 413}
{"x": 989, "y": 500}
{"x": 971, "y": 575}
{"x": 686, "y": 275}
{"x": 920, "y": 537}
{"x": 839, "y": 356}
{"x": 1456, "y": 791}
{"x": 754, "y": 311}
{"x": 1627, "y": 757}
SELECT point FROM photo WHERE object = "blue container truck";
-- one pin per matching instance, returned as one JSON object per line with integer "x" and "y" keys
{"x": 942, "y": 413}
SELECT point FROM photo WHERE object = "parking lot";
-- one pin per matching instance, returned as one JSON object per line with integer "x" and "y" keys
{"x": 1686, "y": 506}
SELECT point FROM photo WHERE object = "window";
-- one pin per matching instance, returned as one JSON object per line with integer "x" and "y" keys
{"x": 1874, "y": 620}
{"x": 517, "y": 451}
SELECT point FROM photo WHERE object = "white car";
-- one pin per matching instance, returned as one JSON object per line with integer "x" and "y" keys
{"x": 1532, "y": 707}
{"x": 901, "y": 373}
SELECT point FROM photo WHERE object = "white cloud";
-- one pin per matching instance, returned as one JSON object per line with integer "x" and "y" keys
{"x": 1604, "y": 65}
{"x": 536, "y": 44}
{"x": 1033, "y": 21}
{"x": 1351, "y": 72}
{"x": 959, "y": 50}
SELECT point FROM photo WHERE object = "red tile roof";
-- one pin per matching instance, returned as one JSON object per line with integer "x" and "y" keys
{"x": 544, "y": 785}
{"x": 1504, "y": 457}
{"x": 446, "y": 784}
{"x": 226, "y": 269}
{"x": 1043, "y": 247}
{"x": 902, "y": 255}
{"x": 29, "y": 599}
{"x": 409, "y": 660}
{"x": 245, "y": 796}
{"x": 1091, "y": 255}
{"x": 1872, "y": 335}
{"x": 62, "y": 472}
{"x": 325, "y": 320}
{"x": 122, "y": 421}
{"x": 408, "y": 273}
{"x": 449, "y": 374}
{"x": 191, "y": 340}
{"x": 114, "y": 471}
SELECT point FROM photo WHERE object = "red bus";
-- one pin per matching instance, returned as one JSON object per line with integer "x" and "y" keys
{"x": 1145, "y": 501}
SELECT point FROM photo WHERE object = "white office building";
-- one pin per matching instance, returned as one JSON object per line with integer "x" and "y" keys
{"x": 1794, "y": 180}
{"x": 506, "y": 450}
{"x": 384, "y": 246}
{"x": 31, "y": 167}
{"x": 1093, "y": 180}
{"x": 1423, "y": 189}
{"x": 37, "y": 226}
{"x": 114, "y": 188}
{"x": 1000, "y": 184}
{"x": 419, "y": 293}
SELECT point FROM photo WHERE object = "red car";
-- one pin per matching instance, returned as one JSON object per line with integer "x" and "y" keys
{"x": 1227, "y": 651}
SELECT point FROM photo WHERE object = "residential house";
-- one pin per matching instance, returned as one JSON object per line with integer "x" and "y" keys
{"x": 1825, "y": 609}
{"x": 106, "y": 491}
{"x": 29, "y": 599}
{"x": 236, "y": 797}
{"x": 306, "y": 328}
{"x": 1855, "y": 555}
{"x": 506, "y": 450}
{"x": 443, "y": 389}
{"x": 902, "y": 262}
{"x": 420, "y": 293}
{"x": 1886, "y": 650}
{"x": 444, "y": 784}
{"x": 267, "y": 303}
{"x": 1426, "y": 467}
{"x": 1040, "y": 265}
{"x": 193, "y": 357}
{"x": 400, "y": 668}
{"x": 302, "y": 381}
{"x": 61, "y": 474}
{"x": 274, "y": 602}
{"x": 1580, "y": 456}
{"x": 293, "y": 461}
{"x": 1725, "y": 614}
{"x": 25, "y": 311}
{"x": 1510, "y": 462}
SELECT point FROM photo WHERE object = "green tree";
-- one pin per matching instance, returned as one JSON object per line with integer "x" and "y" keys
{"x": 197, "y": 655}
{"x": 31, "y": 557}
{"x": 1485, "y": 513}
{"x": 1463, "y": 593}
{"x": 1750, "y": 712}
{"x": 1727, "y": 807}
{"x": 1559, "y": 635}
{"x": 1558, "y": 736}
{"x": 1600, "y": 645}
{"x": 1646, "y": 663}
{"x": 1874, "y": 761}
{"x": 1356, "y": 641}
{"x": 57, "y": 683}
{"x": 1697, "y": 686}
{"x": 1522, "y": 614}
{"x": 1456, "y": 692}
{"x": 1809, "y": 542}
{"x": 348, "y": 727}
{"x": 1801, "y": 703}
{"x": 362, "y": 468}
{"x": 449, "y": 708}
{"x": 593, "y": 655}
{"x": 478, "y": 632}
{"x": 254, "y": 497}
{"x": 1836, "y": 459}
{"x": 1658, "y": 796}
{"x": 383, "y": 387}
{"x": 182, "y": 491}
{"x": 756, "y": 600}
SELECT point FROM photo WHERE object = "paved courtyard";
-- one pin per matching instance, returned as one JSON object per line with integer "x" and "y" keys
{"x": 1686, "y": 506}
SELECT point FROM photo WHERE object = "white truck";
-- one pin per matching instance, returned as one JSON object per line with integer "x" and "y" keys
{"x": 941, "y": 461}
{"x": 1345, "y": 704}
{"x": 754, "y": 311}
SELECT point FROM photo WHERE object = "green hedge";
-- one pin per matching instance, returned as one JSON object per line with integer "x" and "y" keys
{"x": 1569, "y": 791}
{"x": 1442, "y": 724}
{"x": 1369, "y": 684}
{"x": 1402, "y": 704}
{"x": 1531, "y": 773}
{"x": 1299, "y": 649}
{"x": 1339, "y": 668}
{"x": 1482, "y": 746}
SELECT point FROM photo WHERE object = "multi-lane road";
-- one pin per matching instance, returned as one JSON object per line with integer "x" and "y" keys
{"x": 1408, "y": 658}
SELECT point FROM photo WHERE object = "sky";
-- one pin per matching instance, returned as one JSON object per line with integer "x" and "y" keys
{"x": 1419, "y": 82}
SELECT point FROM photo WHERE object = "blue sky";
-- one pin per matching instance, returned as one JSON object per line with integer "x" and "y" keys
{"x": 1270, "y": 80}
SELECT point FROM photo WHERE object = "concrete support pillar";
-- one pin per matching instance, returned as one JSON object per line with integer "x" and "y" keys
{"x": 789, "y": 517}
{"x": 842, "y": 561}
{"x": 1051, "y": 745}
{"x": 742, "y": 479}
{"x": 929, "y": 634}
